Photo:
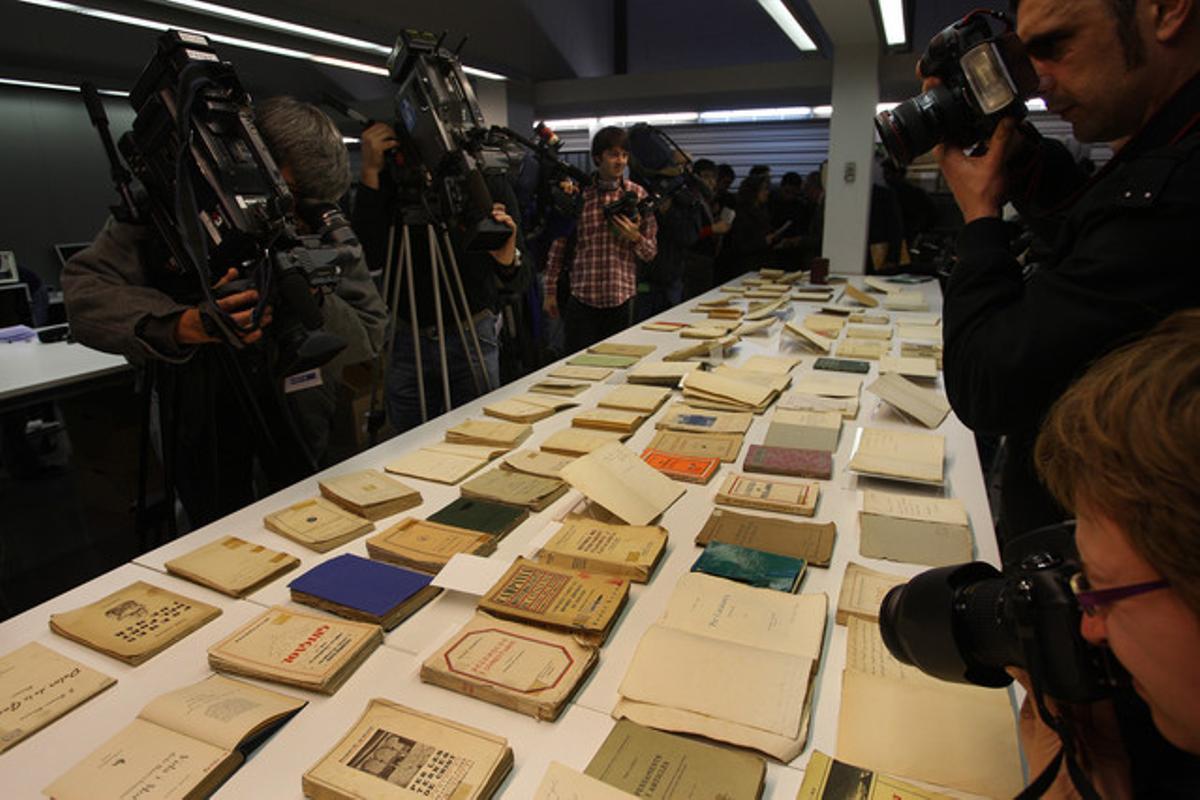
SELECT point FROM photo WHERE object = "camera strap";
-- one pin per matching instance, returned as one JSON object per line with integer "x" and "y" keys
{"x": 1066, "y": 753}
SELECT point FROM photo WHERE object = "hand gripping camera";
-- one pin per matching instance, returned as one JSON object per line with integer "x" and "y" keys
{"x": 984, "y": 76}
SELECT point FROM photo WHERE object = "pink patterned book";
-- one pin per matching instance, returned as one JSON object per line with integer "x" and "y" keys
{"x": 791, "y": 461}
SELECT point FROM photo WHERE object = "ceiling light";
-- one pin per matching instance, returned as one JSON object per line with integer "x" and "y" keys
{"x": 788, "y": 24}
{"x": 573, "y": 124}
{"x": 673, "y": 118}
{"x": 823, "y": 111}
{"x": 892, "y": 14}
{"x": 756, "y": 114}
{"x": 58, "y": 87}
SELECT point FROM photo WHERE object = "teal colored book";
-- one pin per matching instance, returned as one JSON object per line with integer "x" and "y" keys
{"x": 753, "y": 567}
{"x": 481, "y": 515}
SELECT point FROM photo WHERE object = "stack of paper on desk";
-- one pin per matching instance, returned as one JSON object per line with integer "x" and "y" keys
{"x": 609, "y": 419}
{"x": 527, "y": 408}
{"x": 515, "y": 489}
{"x": 315, "y": 652}
{"x": 535, "y": 462}
{"x": 724, "y": 446}
{"x": 871, "y": 349}
{"x": 489, "y": 432}
{"x": 580, "y": 372}
{"x": 39, "y": 685}
{"x": 725, "y": 393}
{"x": 426, "y": 546}
{"x": 445, "y": 462}
{"x": 863, "y": 591}
{"x": 135, "y": 623}
{"x": 927, "y": 406}
{"x": 682, "y": 417}
{"x": 749, "y": 655}
{"x": 618, "y": 480}
{"x": 530, "y": 670}
{"x": 900, "y": 455}
{"x": 810, "y": 541}
{"x": 232, "y": 566}
{"x": 358, "y": 588}
{"x": 660, "y": 373}
{"x": 629, "y": 551}
{"x": 580, "y": 441}
{"x": 819, "y": 341}
{"x": 895, "y": 719}
{"x": 829, "y": 325}
{"x": 317, "y": 524}
{"x": 642, "y": 399}
{"x": 790, "y": 497}
{"x": 909, "y": 367}
{"x": 914, "y": 529}
{"x": 808, "y": 430}
{"x": 370, "y": 494}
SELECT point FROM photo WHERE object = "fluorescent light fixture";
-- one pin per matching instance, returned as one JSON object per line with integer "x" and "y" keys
{"x": 823, "y": 111}
{"x": 1035, "y": 104}
{"x": 350, "y": 140}
{"x": 673, "y": 118}
{"x": 881, "y": 107}
{"x": 756, "y": 114}
{"x": 58, "y": 87}
{"x": 788, "y": 24}
{"x": 573, "y": 124}
{"x": 892, "y": 14}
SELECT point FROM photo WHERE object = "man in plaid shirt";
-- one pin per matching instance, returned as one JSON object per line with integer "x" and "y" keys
{"x": 603, "y": 271}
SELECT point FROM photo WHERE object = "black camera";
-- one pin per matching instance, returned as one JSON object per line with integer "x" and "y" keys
{"x": 985, "y": 76}
{"x": 966, "y": 623}
{"x": 628, "y": 206}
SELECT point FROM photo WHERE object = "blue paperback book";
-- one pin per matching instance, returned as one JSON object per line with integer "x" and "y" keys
{"x": 754, "y": 567}
{"x": 358, "y": 588}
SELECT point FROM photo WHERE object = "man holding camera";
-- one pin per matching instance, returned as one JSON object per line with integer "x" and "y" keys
{"x": 1124, "y": 243}
{"x": 600, "y": 257}
{"x": 117, "y": 302}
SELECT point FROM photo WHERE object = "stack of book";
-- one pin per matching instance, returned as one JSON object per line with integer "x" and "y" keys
{"x": 527, "y": 408}
{"x": 370, "y": 494}
{"x": 642, "y": 399}
{"x": 317, "y": 524}
{"x": 513, "y": 488}
{"x": 730, "y": 391}
{"x": 492, "y": 433}
{"x": 811, "y": 542}
{"x": 232, "y": 566}
{"x": 358, "y": 588}
{"x": 609, "y": 419}
{"x": 628, "y": 551}
{"x": 427, "y": 546}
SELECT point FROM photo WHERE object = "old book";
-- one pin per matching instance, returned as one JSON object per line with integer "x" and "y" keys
{"x": 811, "y": 295}
{"x": 496, "y": 519}
{"x": 706, "y": 332}
{"x": 580, "y": 441}
{"x": 232, "y": 566}
{"x": 827, "y": 779}
{"x": 863, "y": 591}
{"x": 905, "y": 301}
{"x": 642, "y": 399}
{"x": 358, "y": 588}
{"x": 725, "y": 446}
{"x": 915, "y": 332}
{"x": 881, "y": 332}
{"x": 752, "y": 567}
{"x": 838, "y": 310}
{"x": 828, "y": 385}
{"x": 864, "y": 318}
{"x": 527, "y": 408}
{"x": 184, "y": 744}
{"x": 370, "y": 494}
{"x": 772, "y": 379}
{"x": 710, "y": 386}
{"x": 690, "y": 469}
{"x": 619, "y": 349}
{"x": 515, "y": 489}
{"x": 842, "y": 365}
{"x": 917, "y": 530}
{"x": 445, "y": 462}
{"x": 900, "y": 455}
{"x": 662, "y": 766}
{"x": 618, "y": 480}
{"x": 682, "y": 417}
{"x": 826, "y": 324}
{"x": 560, "y": 387}
{"x": 660, "y": 373}
{"x": 568, "y": 601}
{"x": 536, "y": 462}
{"x": 37, "y": 686}
{"x": 755, "y": 327}
{"x": 789, "y": 497}
{"x": 728, "y": 312}
{"x": 577, "y": 372}
{"x": 563, "y": 783}
{"x": 310, "y": 651}
{"x": 847, "y": 407}
{"x": 761, "y": 311}
{"x": 924, "y": 368}
{"x": 398, "y": 753}
{"x": 927, "y": 406}
{"x": 922, "y": 350}
{"x": 664, "y": 326}
{"x": 494, "y": 432}
{"x": 870, "y": 349}
{"x": 317, "y": 524}
{"x": 770, "y": 640}
{"x": 602, "y": 360}
{"x": 630, "y": 551}
{"x": 426, "y": 546}
{"x": 812, "y": 542}
{"x": 135, "y": 623}
{"x": 530, "y": 670}
{"x": 807, "y": 430}
{"x": 880, "y": 285}
{"x": 790, "y": 461}
{"x": 775, "y": 365}
{"x": 705, "y": 349}
{"x": 859, "y": 296}
{"x": 819, "y": 341}
{"x": 609, "y": 419}
{"x": 720, "y": 302}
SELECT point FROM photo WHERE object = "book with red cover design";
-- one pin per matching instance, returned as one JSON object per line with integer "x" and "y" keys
{"x": 692, "y": 469}
{"x": 791, "y": 461}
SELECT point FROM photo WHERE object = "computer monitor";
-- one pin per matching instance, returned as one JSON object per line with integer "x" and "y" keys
{"x": 65, "y": 251}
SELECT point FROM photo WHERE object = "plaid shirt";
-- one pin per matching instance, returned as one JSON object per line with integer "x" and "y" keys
{"x": 604, "y": 272}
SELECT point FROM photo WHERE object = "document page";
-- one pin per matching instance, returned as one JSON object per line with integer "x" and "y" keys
{"x": 617, "y": 479}
{"x": 219, "y": 710}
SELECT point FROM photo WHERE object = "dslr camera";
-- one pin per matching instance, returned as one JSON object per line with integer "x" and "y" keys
{"x": 985, "y": 76}
{"x": 628, "y": 206}
{"x": 965, "y": 623}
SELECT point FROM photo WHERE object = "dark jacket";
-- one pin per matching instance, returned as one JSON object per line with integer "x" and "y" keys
{"x": 1125, "y": 252}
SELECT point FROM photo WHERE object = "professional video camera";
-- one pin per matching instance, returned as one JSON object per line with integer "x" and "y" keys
{"x": 984, "y": 76}
{"x": 966, "y": 623}
{"x": 216, "y": 199}
{"x": 662, "y": 168}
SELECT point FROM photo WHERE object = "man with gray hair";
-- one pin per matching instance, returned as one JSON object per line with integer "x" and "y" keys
{"x": 117, "y": 302}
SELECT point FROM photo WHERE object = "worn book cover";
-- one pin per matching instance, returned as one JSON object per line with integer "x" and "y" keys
{"x": 602, "y": 360}
{"x": 630, "y": 551}
{"x": 915, "y": 529}
{"x": 311, "y": 651}
{"x": 39, "y": 685}
{"x": 900, "y": 455}
{"x": 842, "y": 365}
{"x": 527, "y": 408}
{"x": 569, "y": 601}
{"x": 847, "y": 407}
{"x": 774, "y": 495}
{"x": 232, "y": 566}
{"x": 317, "y": 524}
{"x": 660, "y": 373}
{"x": 536, "y": 462}
{"x": 828, "y": 385}
{"x": 135, "y": 623}
{"x": 860, "y": 297}
{"x": 580, "y": 441}
{"x": 619, "y": 349}
{"x": 439, "y": 466}
{"x": 752, "y": 567}
{"x": 398, "y": 753}
{"x": 812, "y": 542}
{"x": 361, "y": 589}
{"x": 807, "y": 430}
{"x": 871, "y": 349}
{"x": 609, "y": 419}
{"x": 513, "y": 665}
{"x": 864, "y": 318}
{"x": 617, "y": 479}
{"x": 560, "y": 387}
{"x": 927, "y": 406}
{"x": 494, "y": 432}
{"x": 859, "y": 331}
{"x": 484, "y": 516}
{"x": 630, "y": 397}
{"x": 724, "y": 446}
{"x": 515, "y": 489}
{"x": 690, "y": 469}
{"x": 577, "y": 372}
{"x": 426, "y": 546}
{"x": 913, "y": 368}
{"x": 790, "y": 461}
{"x": 682, "y": 417}
{"x": 370, "y": 494}
{"x": 662, "y": 766}
{"x": 863, "y": 591}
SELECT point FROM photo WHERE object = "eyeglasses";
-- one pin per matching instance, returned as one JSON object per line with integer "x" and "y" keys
{"x": 1094, "y": 601}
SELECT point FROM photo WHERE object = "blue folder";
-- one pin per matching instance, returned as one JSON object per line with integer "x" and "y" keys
{"x": 360, "y": 583}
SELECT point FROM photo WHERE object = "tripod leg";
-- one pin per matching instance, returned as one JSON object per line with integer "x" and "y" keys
{"x": 391, "y": 291}
{"x": 462, "y": 321}
{"x": 435, "y": 266}
{"x": 406, "y": 246}
{"x": 462, "y": 294}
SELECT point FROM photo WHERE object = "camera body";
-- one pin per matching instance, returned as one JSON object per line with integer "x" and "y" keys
{"x": 965, "y": 623}
{"x": 627, "y": 206}
{"x": 984, "y": 77}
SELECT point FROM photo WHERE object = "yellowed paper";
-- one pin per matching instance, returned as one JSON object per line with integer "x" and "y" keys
{"x": 725, "y": 446}
{"x": 825, "y": 779}
{"x": 426, "y": 546}
{"x": 37, "y": 686}
{"x": 439, "y": 467}
{"x": 608, "y": 419}
{"x": 812, "y": 339}
{"x": 365, "y": 488}
{"x": 630, "y": 551}
{"x": 828, "y": 385}
{"x": 860, "y": 297}
{"x": 806, "y": 401}
{"x": 617, "y": 479}
{"x": 489, "y": 432}
{"x": 747, "y": 394}
{"x": 870, "y": 349}
{"x": 317, "y": 524}
{"x": 881, "y": 332}
{"x": 863, "y": 591}
{"x": 903, "y": 455}
{"x": 909, "y": 367}
{"x": 927, "y": 406}
{"x": 776, "y": 365}
{"x": 219, "y": 710}
{"x": 563, "y": 783}
{"x": 533, "y": 462}
{"x": 577, "y": 373}
{"x": 232, "y": 565}
{"x": 580, "y": 441}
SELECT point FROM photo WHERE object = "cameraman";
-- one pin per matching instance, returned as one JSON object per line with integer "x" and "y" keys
{"x": 1121, "y": 449}
{"x": 117, "y": 301}
{"x": 1124, "y": 242}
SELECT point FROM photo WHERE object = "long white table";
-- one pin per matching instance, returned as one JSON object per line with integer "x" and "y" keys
{"x": 30, "y": 370}
{"x": 275, "y": 769}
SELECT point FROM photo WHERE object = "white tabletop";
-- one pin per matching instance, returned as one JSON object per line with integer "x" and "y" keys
{"x": 392, "y": 672}
{"x": 32, "y": 366}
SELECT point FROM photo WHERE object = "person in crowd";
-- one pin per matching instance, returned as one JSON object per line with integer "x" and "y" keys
{"x": 599, "y": 258}
{"x": 757, "y": 243}
{"x": 724, "y": 191}
{"x": 1123, "y": 244}
{"x": 788, "y": 204}
{"x": 701, "y": 257}
{"x": 118, "y": 298}
{"x": 377, "y": 206}
{"x": 1121, "y": 450}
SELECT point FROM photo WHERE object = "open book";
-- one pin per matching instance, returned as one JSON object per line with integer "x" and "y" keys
{"x": 617, "y": 479}
{"x": 184, "y": 744}
{"x": 37, "y": 686}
